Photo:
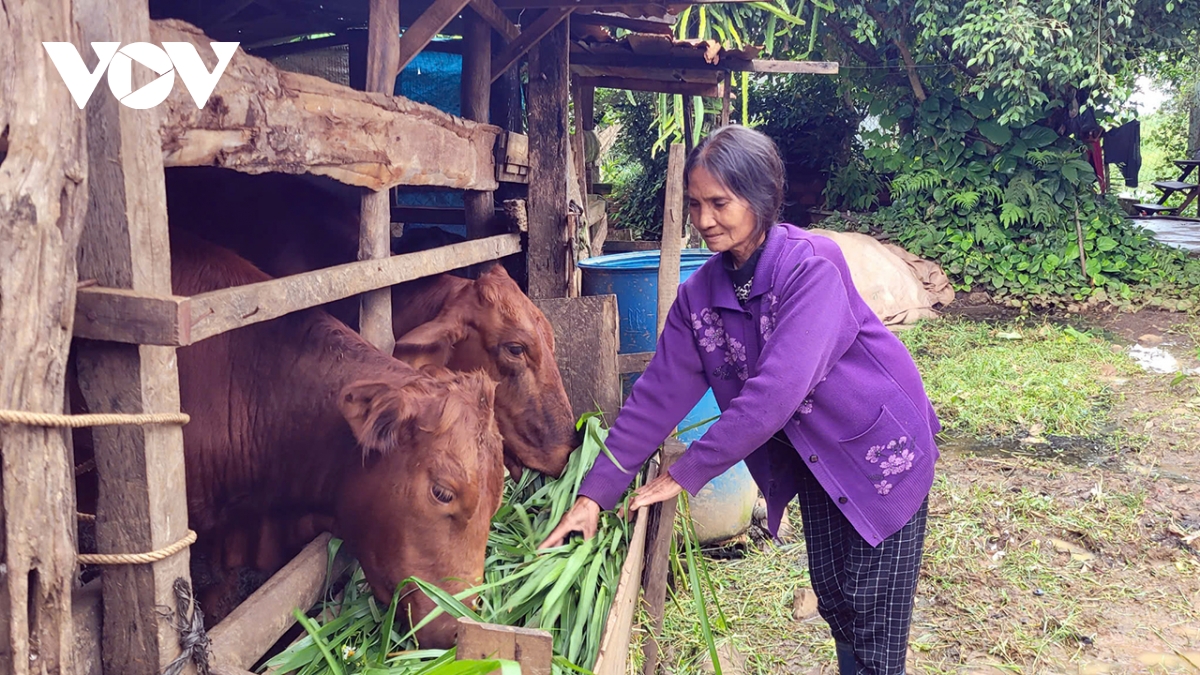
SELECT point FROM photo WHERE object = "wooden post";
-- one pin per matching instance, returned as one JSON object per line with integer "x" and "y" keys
{"x": 42, "y": 201}
{"x": 480, "y": 206}
{"x": 672, "y": 233}
{"x": 662, "y": 516}
{"x": 143, "y": 494}
{"x": 375, "y": 225}
{"x": 532, "y": 649}
{"x": 725, "y": 97}
{"x": 548, "y": 250}
{"x": 658, "y": 547}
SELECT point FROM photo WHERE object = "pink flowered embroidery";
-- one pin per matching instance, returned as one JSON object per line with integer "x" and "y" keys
{"x": 766, "y": 323}
{"x": 806, "y": 407}
{"x": 894, "y": 458}
{"x": 711, "y": 335}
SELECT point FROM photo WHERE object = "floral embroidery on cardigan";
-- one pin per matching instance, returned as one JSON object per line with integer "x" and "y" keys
{"x": 766, "y": 322}
{"x": 894, "y": 458}
{"x": 710, "y": 333}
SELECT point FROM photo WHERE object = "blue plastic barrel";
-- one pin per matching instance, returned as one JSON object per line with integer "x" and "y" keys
{"x": 725, "y": 506}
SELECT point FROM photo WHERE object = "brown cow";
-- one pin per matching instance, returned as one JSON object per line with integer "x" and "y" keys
{"x": 289, "y": 224}
{"x": 300, "y": 423}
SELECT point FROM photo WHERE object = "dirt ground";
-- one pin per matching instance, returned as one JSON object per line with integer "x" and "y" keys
{"x": 1041, "y": 558}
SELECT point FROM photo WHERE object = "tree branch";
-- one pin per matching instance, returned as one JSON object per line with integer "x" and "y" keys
{"x": 864, "y": 51}
{"x": 914, "y": 79}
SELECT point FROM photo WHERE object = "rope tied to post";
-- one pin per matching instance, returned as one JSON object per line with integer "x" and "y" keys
{"x": 138, "y": 558}
{"x": 58, "y": 420}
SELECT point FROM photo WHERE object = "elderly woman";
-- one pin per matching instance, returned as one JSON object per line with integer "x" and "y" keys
{"x": 821, "y": 401}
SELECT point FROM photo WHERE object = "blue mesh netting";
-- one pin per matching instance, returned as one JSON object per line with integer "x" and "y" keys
{"x": 433, "y": 78}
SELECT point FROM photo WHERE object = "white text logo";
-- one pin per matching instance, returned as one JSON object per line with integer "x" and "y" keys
{"x": 172, "y": 57}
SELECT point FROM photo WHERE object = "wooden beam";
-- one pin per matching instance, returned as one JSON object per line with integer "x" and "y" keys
{"x": 658, "y": 546}
{"x": 657, "y": 86}
{"x": 672, "y": 234}
{"x": 262, "y": 119}
{"x": 691, "y": 75}
{"x": 657, "y": 27}
{"x": 375, "y": 215}
{"x": 479, "y": 205}
{"x": 541, "y": 27}
{"x": 136, "y": 318}
{"x": 142, "y": 502}
{"x": 426, "y": 27}
{"x": 549, "y": 241}
{"x": 614, "y": 645}
{"x": 632, "y": 60}
{"x": 42, "y": 202}
{"x": 633, "y": 363}
{"x": 242, "y": 638}
{"x": 216, "y": 312}
{"x": 494, "y": 16}
{"x": 532, "y": 649}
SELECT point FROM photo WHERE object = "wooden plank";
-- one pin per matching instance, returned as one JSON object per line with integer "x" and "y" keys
{"x": 142, "y": 503}
{"x": 124, "y": 315}
{"x": 216, "y": 312}
{"x": 375, "y": 216}
{"x": 226, "y": 309}
{"x": 42, "y": 202}
{"x": 541, "y": 27}
{"x": 262, "y": 119}
{"x": 86, "y": 610}
{"x": 532, "y": 649}
{"x": 494, "y": 16}
{"x": 479, "y": 205}
{"x": 614, "y": 645}
{"x": 242, "y": 638}
{"x": 549, "y": 243}
{"x": 426, "y": 27}
{"x": 726, "y": 63}
{"x": 658, "y": 547}
{"x": 690, "y": 75}
{"x": 657, "y": 86}
{"x": 586, "y": 338}
{"x": 633, "y": 363}
{"x": 672, "y": 234}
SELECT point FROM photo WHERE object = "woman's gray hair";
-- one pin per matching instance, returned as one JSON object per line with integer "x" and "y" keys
{"x": 747, "y": 163}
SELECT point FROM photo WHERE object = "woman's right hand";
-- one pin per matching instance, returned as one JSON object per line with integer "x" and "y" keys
{"x": 584, "y": 517}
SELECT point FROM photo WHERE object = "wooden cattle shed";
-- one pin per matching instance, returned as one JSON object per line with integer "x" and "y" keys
{"x": 86, "y": 266}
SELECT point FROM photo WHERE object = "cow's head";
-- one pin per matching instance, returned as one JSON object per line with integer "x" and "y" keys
{"x": 420, "y": 501}
{"x": 492, "y": 326}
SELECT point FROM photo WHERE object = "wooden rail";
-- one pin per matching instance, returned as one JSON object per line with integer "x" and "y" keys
{"x": 138, "y": 318}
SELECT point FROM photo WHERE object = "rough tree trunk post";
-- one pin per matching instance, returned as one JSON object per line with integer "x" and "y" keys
{"x": 549, "y": 240}
{"x": 42, "y": 201}
{"x": 375, "y": 225}
{"x": 142, "y": 503}
{"x": 480, "y": 206}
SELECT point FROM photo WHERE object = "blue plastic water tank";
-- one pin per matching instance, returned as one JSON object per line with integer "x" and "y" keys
{"x": 724, "y": 508}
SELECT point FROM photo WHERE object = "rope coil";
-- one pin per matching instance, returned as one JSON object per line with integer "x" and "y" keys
{"x": 138, "y": 558}
{"x": 58, "y": 420}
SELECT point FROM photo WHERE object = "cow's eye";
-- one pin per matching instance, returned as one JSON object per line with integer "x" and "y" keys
{"x": 442, "y": 494}
{"x": 515, "y": 349}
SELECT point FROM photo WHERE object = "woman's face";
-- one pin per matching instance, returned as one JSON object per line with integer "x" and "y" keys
{"x": 724, "y": 219}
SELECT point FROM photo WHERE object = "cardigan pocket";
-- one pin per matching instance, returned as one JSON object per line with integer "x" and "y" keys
{"x": 885, "y": 453}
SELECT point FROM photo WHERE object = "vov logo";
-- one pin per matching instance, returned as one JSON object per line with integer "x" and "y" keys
{"x": 172, "y": 57}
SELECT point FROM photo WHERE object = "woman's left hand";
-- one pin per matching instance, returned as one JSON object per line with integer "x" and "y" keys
{"x": 658, "y": 490}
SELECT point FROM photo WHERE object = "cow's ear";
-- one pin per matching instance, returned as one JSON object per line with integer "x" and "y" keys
{"x": 431, "y": 343}
{"x": 380, "y": 413}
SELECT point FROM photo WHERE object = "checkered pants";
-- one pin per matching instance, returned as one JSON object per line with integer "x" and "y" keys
{"x": 865, "y": 593}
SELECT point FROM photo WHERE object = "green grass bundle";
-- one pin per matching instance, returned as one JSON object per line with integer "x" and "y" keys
{"x": 566, "y": 590}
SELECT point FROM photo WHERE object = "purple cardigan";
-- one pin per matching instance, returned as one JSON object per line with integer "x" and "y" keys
{"x": 806, "y": 355}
